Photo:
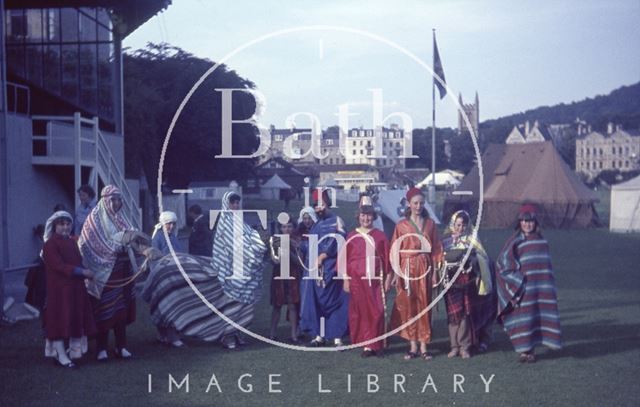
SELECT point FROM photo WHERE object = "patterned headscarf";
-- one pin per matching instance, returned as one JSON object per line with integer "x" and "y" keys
{"x": 248, "y": 289}
{"x": 49, "y": 228}
{"x": 97, "y": 245}
{"x": 455, "y": 216}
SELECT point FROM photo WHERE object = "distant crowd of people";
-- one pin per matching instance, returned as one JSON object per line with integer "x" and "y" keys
{"x": 330, "y": 290}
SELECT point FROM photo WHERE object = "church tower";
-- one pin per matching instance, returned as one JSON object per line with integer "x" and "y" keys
{"x": 472, "y": 110}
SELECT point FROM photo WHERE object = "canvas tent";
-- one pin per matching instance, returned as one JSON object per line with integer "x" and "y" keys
{"x": 526, "y": 173}
{"x": 625, "y": 206}
{"x": 442, "y": 179}
{"x": 271, "y": 188}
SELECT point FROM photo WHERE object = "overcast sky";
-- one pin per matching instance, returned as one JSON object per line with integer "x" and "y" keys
{"x": 516, "y": 54}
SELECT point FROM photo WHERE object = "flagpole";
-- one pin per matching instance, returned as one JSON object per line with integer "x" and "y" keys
{"x": 432, "y": 187}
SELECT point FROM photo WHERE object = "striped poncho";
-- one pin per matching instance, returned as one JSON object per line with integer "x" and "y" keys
{"x": 98, "y": 243}
{"x": 248, "y": 288}
{"x": 173, "y": 303}
{"x": 527, "y": 302}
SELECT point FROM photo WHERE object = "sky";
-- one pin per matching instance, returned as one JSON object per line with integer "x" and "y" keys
{"x": 313, "y": 56}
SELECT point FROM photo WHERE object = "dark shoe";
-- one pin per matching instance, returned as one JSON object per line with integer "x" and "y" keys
{"x": 411, "y": 355}
{"x": 69, "y": 365}
{"x": 367, "y": 353}
{"x": 229, "y": 342}
{"x": 241, "y": 341}
{"x": 315, "y": 343}
{"x": 427, "y": 356}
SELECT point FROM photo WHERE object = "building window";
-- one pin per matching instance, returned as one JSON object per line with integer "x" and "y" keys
{"x": 68, "y": 52}
{"x": 588, "y": 165}
{"x": 600, "y": 164}
{"x": 354, "y": 152}
{"x": 614, "y": 164}
{"x": 613, "y": 150}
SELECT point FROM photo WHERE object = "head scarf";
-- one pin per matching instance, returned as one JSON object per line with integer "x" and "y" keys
{"x": 309, "y": 211}
{"x": 463, "y": 242}
{"x": 248, "y": 289}
{"x": 165, "y": 217}
{"x": 97, "y": 245}
{"x": 452, "y": 221}
{"x": 49, "y": 228}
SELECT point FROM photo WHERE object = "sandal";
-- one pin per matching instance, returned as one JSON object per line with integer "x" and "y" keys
{"x": 527, "y": 358}
{"x": 464, "y": 354}
{"x": 427, "y": 356}
{"x": 411, "y": 355}
{"x": 453, "y": 353}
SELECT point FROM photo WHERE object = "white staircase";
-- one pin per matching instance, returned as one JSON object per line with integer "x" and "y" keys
{"x": 79, "y": 142}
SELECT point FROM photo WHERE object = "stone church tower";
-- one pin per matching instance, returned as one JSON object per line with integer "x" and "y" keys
{"x": 472, "y": 110}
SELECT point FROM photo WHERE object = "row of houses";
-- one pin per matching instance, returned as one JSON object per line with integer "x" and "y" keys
{"x": 616, "y": 149}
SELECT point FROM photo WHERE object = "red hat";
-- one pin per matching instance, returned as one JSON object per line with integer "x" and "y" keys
{"x": 413, "y": 192}
{"x": 527, "y": 212}
{"x": 325, "y": 197}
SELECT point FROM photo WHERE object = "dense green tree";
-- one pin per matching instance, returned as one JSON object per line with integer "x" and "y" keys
{"x": 157, "y": 79}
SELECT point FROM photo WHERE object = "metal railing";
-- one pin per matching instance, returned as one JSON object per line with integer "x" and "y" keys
{"x": 72, "y": 146}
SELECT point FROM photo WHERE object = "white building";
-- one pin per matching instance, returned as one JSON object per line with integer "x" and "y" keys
{"x": 618, "y": 149}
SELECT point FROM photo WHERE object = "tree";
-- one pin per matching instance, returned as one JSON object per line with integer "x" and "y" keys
{"x": 422, "y": 148}
{"x": 157, "y": 79}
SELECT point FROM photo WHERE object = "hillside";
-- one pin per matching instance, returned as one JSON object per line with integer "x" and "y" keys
{"x": 621, "y": 106}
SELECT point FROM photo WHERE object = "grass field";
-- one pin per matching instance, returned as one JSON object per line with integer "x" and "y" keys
{"x": 599, "y": 300}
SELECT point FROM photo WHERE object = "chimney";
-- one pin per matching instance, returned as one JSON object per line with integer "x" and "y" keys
{"x": 526, "y": 128}
{"x": 609, "y": 128}
{"x": 618, "y": 127}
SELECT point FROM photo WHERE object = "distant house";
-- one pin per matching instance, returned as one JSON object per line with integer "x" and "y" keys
{"x": 211, "y": 190}
{"x": 617, "y": 149}
{"x": 285, "y": 170}
{"x": 524, "y": 133}
{"x": 355, "y": 176}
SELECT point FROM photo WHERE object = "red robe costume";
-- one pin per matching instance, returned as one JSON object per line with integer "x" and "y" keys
{"x": 366, "y": 306}
{"x": 414, "y": 294}
{"x": 67, "y": 312}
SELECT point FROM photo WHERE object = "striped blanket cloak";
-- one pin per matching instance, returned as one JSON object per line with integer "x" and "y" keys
{"x": 247, "y": 289}
{"x": 98, "y": 244}
{"x": 527, "y": 302}
{"x": 471, "y": 294}
{"x": 173, "y": 303}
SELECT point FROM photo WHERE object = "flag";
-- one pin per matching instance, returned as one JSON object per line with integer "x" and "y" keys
{"x": 437, "y": 69}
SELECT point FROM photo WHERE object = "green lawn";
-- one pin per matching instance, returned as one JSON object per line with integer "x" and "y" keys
{"x": 599, "y": 292}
